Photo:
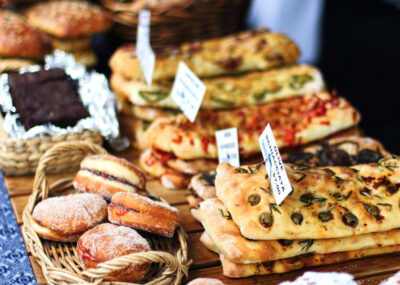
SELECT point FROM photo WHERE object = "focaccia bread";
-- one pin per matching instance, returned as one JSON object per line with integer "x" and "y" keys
{"x": 21, "y": 40}
{"x": 338, "y": 151}
{"x": 294, "y": 121}
{"x": 238, "y": 270}
{"x": 227, "y": 237}
{"x": 246, "y": 51}
{"x": 68, "y": 19}
{"x": 254, "y": 88}
{"x": 168, "y": 177}
{"x": 326, "y": 202}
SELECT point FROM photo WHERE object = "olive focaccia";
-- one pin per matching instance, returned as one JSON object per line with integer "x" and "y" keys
{"x": 338, "y": 151}
{"x": 294, "y": 121}
{"x": 226, "y": 235}
{"x": 326, "y": 202}
{"x": 239, "y": 270}
{"x": 246, "y": 51}
{"x": 335, "y": 151}
{"x": 255, "y": 88}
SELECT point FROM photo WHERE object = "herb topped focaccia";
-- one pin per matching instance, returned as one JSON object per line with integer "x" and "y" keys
{"x": 227, "y": 237}
{"x": 239, "y": 270}
{"x": 294, "y": 121}
{"x": 335, "y": 151}
{"x": 246, "y": 51}
{"x": 326, "y": 202}
{"x": 255, "y": 88}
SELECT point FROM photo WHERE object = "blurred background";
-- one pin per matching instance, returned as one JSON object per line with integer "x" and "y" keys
{"x": 356, "y": 44}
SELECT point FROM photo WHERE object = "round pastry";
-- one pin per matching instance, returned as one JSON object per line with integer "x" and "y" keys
{"x": 107, "y": 241}
{"x": 106, "y": 175}
{"x": 68, "y": 19}
{"x": 206, "y": 281}
{"x": 19, "y": 39}
{"x": 65, "y": 218}
{"x": 143, "y": 213}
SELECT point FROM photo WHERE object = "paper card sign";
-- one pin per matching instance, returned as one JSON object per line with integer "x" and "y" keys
{"x": 144, "y": 51}
{"x": 228, "y": 148}
{"x": 273, "y": 162}
{"x": 188, "y": 91}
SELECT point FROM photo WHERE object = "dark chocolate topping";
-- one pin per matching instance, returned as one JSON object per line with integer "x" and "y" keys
{"x": 46, "y": 96}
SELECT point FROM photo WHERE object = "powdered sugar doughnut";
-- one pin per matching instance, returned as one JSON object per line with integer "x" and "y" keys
{"x": 107, "y": 241}
{"x": 143, "y": 213}
{"x": 107, "y": 175}
{"x": 206, "y": 281}
{"x": 65, "y": 218}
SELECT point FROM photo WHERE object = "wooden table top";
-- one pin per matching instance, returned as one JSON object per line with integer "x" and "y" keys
{"x": 371, "y": 270}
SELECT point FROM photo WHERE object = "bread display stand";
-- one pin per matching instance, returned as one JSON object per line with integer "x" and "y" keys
{"x": 60, "y": 262}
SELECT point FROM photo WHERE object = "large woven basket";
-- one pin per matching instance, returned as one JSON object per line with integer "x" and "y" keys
{"x": 189, "y": 21}
{"x": 21, "y": 157}
{"x": 60, "y": 262}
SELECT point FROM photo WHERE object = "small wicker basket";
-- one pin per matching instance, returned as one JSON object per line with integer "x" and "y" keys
{"x": 60, "y": 262}
{"x": 189, "y": 21}
{"x": 21, "y": 157}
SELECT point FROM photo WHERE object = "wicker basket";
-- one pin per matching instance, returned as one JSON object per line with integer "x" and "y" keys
{"x": 192, "y": 20}
{"x": 21, "y": 157}
{"x": 60, "y": 262}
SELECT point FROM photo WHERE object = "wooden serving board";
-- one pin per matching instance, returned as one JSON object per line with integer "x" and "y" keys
{"x": 371, "y": 270}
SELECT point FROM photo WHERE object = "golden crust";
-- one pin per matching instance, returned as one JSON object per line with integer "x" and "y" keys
{"x": 237, "y": 270}
{"x": 143, "y": 213}
{"x": 256, "y": 88}
{"x": 294, "y": 122}
{"x": 68, "y": 19}
{"x": 21, "y": 40}
{"x": 72, "y": 214}
{"x": 105, "y": 242}
{"x": 228, "y": 239}
{"x": 331, "y": 201}
{"x": 213, "y": 57}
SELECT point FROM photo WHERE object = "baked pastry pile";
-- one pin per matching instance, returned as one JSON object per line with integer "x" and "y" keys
{"x": 251, "y": 79}
{"x": 20, "y": 43}
{"x": 334, "y": 213}
{"x": 70, "y": 25}
{"x": 117, "y": 193}
{"x": 44, "y": 27}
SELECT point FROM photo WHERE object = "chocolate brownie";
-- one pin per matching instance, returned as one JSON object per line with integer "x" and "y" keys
{"x": 46, "y": 96}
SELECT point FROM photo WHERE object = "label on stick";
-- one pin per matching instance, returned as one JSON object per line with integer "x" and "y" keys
{"x": 144, "y": 51}
{"x": 228, "y": 148}
{"x": 273, "y": 163}
{"x": 188, "y": 91}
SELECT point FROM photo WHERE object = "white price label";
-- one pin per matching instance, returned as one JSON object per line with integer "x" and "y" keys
{"x": 273, "y": 162}
{"x": 228, "y": 148}
{"x": 144, "y": 51}
{"x": 188, "y": 91}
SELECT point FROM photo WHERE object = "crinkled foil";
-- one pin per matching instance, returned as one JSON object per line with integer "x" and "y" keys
{"x": 94, "y": 93}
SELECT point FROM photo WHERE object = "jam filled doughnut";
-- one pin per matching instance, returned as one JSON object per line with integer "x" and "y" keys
{"x": 107, "y": 241}
{"x": 65, "y": 218}
{"x": 106, "y": 175}
{"x": 143, "y": 213}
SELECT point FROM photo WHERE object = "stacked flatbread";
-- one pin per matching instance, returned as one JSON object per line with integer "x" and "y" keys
{"x": 70, "y": 25}
{"x": 334, "y": 213}
{"x": 251, "y": 79}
